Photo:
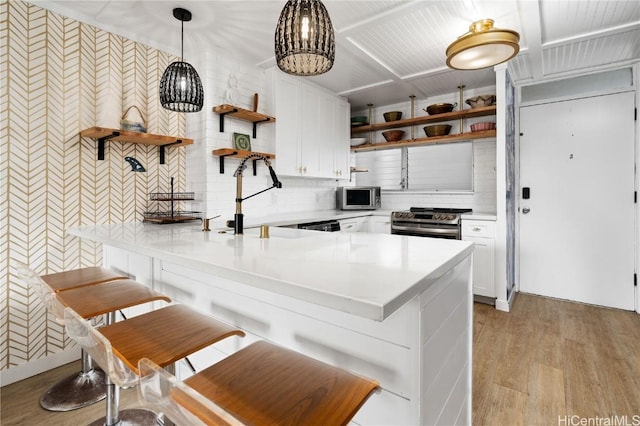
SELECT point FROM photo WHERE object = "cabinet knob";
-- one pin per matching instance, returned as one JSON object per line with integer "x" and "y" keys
{"x": 304, "y": 169}
{"x": 476, "y": 229}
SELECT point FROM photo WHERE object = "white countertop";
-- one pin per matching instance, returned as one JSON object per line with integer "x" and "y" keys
{"x": 368, "y": 275}
{"x": 285, "y": 219}
{"x": 479, "y": 216}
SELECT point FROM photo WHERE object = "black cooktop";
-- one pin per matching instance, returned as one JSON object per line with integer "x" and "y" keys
{"x": 438, "y": 210}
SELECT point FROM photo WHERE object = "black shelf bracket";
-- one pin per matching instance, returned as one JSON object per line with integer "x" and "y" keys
{"x": 222, "y": 118}
{"x": 231, "y": 154}
{"x": 101, "y": 144}
{"x": 162, "y": 149}
{"x": 222, "y": 160}
{"x": 255, "y": 125}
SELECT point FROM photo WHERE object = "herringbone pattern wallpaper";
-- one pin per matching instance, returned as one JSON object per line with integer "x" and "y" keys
{"x": 58, "y": 77}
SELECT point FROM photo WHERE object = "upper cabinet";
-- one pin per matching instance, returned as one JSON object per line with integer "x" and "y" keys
{"x": 312, "y": 130}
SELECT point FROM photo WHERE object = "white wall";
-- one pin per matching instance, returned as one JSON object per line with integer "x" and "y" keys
{"x": 483, "y": 197}
{"x": 215, "y": 192}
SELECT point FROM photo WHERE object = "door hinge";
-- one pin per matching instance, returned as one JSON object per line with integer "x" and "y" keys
{"x": 635, "y": 114}
{"x": 635, "y": 280}
{"x": 635, "y": 197}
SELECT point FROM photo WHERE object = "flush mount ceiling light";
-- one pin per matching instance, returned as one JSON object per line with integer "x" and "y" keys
{"x": 483, "y": 46}
{"x": 180, "y": 86}
{"x": 304, "y": 39}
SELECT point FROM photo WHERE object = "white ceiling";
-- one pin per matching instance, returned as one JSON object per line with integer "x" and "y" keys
{"x": 389, "y": 49}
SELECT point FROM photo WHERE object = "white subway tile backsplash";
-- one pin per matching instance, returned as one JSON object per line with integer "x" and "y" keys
{"x": 226, "y": 79}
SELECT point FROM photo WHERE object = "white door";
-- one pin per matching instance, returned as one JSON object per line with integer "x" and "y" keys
{"x": 577, "y": 227}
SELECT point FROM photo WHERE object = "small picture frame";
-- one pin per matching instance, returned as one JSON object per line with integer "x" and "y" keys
{"x": 241, "y": 141}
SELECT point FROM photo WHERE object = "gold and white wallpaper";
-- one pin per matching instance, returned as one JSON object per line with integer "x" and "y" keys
{"x": 57, "y": 77}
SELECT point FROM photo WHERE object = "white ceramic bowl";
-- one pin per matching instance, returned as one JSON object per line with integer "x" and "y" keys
{"x": 358, "y": 141}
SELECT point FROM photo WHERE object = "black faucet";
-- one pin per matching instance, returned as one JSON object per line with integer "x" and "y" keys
{"x": 238, "y": 226}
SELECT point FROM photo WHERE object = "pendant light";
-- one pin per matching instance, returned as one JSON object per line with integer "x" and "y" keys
{"x": 180, "y": 86}
{"x": 483, "y": 46}
{"x": 304, "y": 38}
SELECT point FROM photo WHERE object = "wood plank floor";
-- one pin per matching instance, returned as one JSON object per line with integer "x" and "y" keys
{"x": 544, "y": 359}
{"x": 549, "y": 358}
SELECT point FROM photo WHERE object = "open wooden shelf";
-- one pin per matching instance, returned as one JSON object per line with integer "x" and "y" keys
{"x": 438, "y": 118}
{"x": 425, "y": 141}
{"x": 103, "y": 134}
{"x": 241, "y": 114}
{"x": 240, "y": 154}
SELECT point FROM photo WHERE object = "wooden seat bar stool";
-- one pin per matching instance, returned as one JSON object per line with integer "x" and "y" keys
{"x": 66, "y": 280}
{"x": 165, "y": 336}
{"x": 87, "y": 386}
{"x": 262, "y": 384}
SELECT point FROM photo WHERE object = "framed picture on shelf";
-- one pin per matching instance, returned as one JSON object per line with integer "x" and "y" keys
{"x": 241, "y": 141}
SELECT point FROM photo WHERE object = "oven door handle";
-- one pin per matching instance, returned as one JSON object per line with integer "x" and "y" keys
{"x": 426, "y": 231}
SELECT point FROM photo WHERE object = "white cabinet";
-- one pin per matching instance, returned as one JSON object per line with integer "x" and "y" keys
{"x": 354, "y": 224}
{"x": 341, "y": 144}
{"x": 380, "y": 224}
{"x": 483, "y": 235}
{"x": 312, "y": 129}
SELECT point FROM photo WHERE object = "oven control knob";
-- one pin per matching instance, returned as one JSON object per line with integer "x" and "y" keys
{"x": 451, "y": 217}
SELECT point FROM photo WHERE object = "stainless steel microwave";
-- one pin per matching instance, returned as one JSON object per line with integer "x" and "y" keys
{"x": 358, "y": 197}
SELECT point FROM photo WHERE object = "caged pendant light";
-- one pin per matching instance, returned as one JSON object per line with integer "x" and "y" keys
{"x": 180, "y": 86}
{"x": 483, "y": 46}
{"x": 304, "y": 38}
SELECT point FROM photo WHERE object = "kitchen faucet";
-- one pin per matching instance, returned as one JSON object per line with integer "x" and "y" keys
{"x": 238, "y": 216}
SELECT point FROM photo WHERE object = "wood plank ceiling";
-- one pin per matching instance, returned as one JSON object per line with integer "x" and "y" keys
{"x": 389, "y": 49}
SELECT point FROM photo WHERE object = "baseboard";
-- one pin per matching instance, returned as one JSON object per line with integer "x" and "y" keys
{"x": 484, "y": 299}
{"x": 32, "y": 368}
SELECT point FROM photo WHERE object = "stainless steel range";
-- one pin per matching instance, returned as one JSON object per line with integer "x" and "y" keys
{"x": 428, "y": 222}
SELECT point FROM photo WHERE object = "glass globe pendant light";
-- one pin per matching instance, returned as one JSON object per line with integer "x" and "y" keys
{"x": 304, "y": 38}
{"x": 180, "y": 86}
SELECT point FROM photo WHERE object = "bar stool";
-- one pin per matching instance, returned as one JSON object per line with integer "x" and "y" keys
{"x": 92, "y": 296}
{"x": 262, "y": 384}
{"x": 87, "y": 386}
{"x": 165, "y": 336}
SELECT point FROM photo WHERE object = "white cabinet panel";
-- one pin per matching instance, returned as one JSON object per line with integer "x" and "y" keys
{"x": 380, "y": 224}
{"x": 341, "y": 140}
{"x": 355, "y": 224}
{"x": 312, "y": 129}
{"x": 482, "y": 233}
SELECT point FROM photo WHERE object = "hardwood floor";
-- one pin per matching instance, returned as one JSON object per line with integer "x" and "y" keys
{"x": 546, "y": 358}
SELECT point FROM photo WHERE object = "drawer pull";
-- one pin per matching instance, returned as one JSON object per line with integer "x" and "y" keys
{"x": 477, "y": 229}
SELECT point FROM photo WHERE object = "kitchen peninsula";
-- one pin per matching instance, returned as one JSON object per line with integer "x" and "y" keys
{"x": 394, "y": 308}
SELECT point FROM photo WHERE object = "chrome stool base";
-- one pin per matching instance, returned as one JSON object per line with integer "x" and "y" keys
{"x": 133, "y": 417}
{"x": 76, "y": 391}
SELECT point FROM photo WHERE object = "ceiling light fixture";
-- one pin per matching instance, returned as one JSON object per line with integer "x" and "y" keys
{"x": 180, "y": 86}
{"x": 483, "y": 46}
{"x": 304, "y": 39}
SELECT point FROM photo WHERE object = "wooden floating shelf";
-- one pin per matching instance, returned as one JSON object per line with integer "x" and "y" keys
{"x": 241, "y": 114}
{"x": 438, "y": 118}
{"x": 103, "y": 134}
{"x": 425, "y": 141}
{"x": 240, "y": 154}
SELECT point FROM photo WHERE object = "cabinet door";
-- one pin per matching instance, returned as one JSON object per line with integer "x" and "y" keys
{"x": 380, "y": 225}
{"x": 483, "y": 266}
{"x": 482, "y": 233}
{"x": 288, "y": 125}
{"x": 318, "y": 117}
{"x": 341, "y": 145}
